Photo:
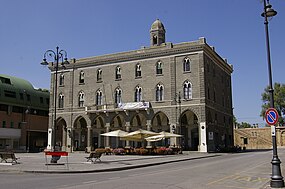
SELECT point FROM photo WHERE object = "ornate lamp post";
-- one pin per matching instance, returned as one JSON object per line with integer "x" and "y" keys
{"x": 57, "y": 56}
{"x": 276, "y": 177}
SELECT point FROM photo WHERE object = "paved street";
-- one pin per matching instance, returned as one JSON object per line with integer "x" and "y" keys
{"x": 248, "y": 170}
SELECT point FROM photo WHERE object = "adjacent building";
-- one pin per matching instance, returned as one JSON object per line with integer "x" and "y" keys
{"x": 183, "y": 88}
{"x": 23, "y": 115}
{"x": 258, "y": 138}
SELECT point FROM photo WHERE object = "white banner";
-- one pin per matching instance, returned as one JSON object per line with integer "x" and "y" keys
{"x": 134, "y": 105}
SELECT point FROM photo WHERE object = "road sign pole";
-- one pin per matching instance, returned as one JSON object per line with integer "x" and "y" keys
{"x": 271, "y": 117}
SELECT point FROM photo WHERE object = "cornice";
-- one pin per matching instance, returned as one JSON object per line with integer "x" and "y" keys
{"x": 140, "y": 54}
{"x": 220, "y": 61}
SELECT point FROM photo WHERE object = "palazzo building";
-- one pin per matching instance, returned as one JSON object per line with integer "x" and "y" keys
{"x": 23, "y": 115}
{"x": 183, "y": 88}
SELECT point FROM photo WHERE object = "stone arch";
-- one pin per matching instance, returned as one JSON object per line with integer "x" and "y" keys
{"x": 98, "y": 123}
{"x": 190, "y": 130}
{"x": 160, "y": 122}
{"x": 117, "y": 122}
{"x": 98, "y": 127}
{"x": 61, "y": 133}
{"x": 138, "y": 121}
{"x": 80, "y": 133}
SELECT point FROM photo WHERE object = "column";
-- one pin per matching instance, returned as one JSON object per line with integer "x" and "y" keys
{"x": 128, "y": 125}
{"x": 49, "y": 146}
{"x": 89, "y": 130}
{"x": 64, "y": 135}
{"x": 203, "y": 137}
{"x": 172, "y": 130}
{"x": 148, "y": 127}
{"x": 69, "y": 140}
{"x": 107, "y": 139}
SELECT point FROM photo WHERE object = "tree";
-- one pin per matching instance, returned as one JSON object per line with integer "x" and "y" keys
{"x": 279, "y": 101}
{"x": 244, "y": 125}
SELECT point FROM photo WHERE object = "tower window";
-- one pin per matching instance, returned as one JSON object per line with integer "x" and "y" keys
{"x": 159, "y": 68}
{"x": 159, "y": 92}
{"x": 61, "y": 80}
{"x": 187, "y": 89}
{"x": 81, "y": 77}
{"x": 61, "y": 101}
{"x": 154, "y": 39}
{"x": 118, "y": 73}
{"x": 138, "y": 71}
{"x": 99, "y": 75}
{"x": 138, "y": 94}
{"x": 99, "y": 98}
{"x": 186, "y": 65}
{"x": 81, "y": 99}
{"x": 118, "y": 96}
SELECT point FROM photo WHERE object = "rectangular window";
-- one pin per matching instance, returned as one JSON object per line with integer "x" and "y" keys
{"x": 5, "y": 80}
{"x": 4, "y": 124}
{"x": 245, "y": 141}
{"x": 12, "y": 124}
{"x": 47, "y": 101}
{"x": 21, "y": 96}
{"x": 10, "y": 94}
{"x": 28, "y": 97}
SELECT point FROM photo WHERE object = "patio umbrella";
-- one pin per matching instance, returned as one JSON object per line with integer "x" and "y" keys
{"x": 116, "y": 133}
{"x": 162, "y": 135}
{"x": 138, "y": 135}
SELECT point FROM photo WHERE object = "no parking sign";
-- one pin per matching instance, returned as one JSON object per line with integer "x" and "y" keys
{"x": 271, "y": 116}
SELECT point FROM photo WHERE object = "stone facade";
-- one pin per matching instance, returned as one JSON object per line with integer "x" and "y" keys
{"x": 183, "y": 88}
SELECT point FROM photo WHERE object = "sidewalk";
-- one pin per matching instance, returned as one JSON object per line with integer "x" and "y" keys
{"x": 77, "y": 163}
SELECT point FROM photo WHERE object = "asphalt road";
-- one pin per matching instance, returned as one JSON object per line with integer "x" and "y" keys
{"x": 248, "y": 170}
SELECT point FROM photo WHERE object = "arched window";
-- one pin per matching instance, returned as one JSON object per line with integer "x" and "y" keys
{"x": 118, "y": 96}
{"x": 154, "y": 38}
{"x": 99, "y": 75}
{"x": 138, "y": 70}
{"x": 81, "y": 99}
{"x": 118, "y": 72}
{"x": 186, "y": 65}
{"x": 61, "y": 80}
{"x": 187, "y": 90}
{"x": 81, "y": 77}
{"x": 159, "y": 92}
{"x": 99, "y": 98}
{"x": 61, "y": 100}
{"x": 138, "y": 94}
{"x": 159, "y": 68}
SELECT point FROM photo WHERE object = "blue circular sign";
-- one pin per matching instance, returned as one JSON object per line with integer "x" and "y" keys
{"x": 271, "y": 116}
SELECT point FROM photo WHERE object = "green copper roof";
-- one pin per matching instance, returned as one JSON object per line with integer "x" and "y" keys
{"x": 19, "y": 92}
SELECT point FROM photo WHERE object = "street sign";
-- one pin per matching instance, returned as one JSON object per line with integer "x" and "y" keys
{"x": 271, "y": 116}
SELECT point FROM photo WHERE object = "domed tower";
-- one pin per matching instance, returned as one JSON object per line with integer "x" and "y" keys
{"x": 157, "y": 33}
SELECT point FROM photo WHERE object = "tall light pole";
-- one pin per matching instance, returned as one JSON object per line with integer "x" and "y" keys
{"x": 57, "y": 56}
{"x": 276, "y": 177}
{"x": 177, "y": 99}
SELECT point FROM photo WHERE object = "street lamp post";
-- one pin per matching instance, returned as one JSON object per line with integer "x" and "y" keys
{"x": 178, "y": 114}
{"x": 276, "y": 177}
{"x": 56, "y": 55}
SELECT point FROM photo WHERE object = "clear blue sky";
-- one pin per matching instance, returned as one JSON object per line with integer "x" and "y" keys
{"x": 87, "y": 28}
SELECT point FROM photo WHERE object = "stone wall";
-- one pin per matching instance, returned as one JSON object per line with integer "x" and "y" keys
{"x": 258, "y": 138}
